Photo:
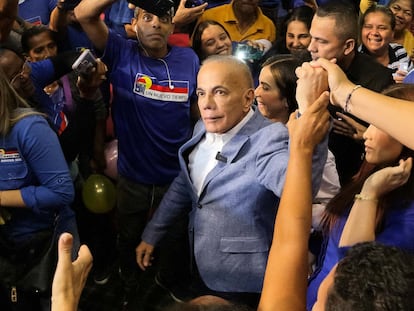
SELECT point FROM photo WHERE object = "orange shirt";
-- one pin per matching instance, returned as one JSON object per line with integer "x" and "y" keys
{"x": 263, "y": 27}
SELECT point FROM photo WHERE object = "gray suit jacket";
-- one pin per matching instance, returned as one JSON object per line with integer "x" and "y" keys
{"x": 231, "y": 222}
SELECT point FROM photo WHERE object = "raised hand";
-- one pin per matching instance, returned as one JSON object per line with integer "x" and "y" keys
{"x": 308, "y": 130}
{"x": 70, "y": 277}
{"x": 387, "y": 179}
{"x": 312, "y": 81}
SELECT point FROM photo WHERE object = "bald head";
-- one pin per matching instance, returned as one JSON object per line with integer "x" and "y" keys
{"x": 225, "y": 93}
{"x": 233, "y": 66}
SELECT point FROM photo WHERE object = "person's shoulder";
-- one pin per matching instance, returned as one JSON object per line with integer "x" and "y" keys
{"x": 397, "y": 48}
{"x": 264, "y": 18}
{"x": 29, "y": 115}
{"x": 366, "y": 65}
{"x": 270, "y": 137}
{"x": 268, "y": 130}
{"x": 408, "y": 35}
{"x": 181, "y": 50}
{"x": 28, "y": 119}
{"x": 183, "y": 54}
{"x": 214, "y": 13}
{"x": 116, "y": 39}
{"x": 395, "y": 45}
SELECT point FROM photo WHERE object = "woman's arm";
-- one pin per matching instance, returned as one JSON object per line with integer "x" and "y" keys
{"x": 287, "y": 268}
{"x": 361, "y": 222}
{"x": 393, "y": 116}
{"x": 39, "y": 148}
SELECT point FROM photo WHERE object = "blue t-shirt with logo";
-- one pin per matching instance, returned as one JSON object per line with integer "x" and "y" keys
{"x": 151, "y": 108}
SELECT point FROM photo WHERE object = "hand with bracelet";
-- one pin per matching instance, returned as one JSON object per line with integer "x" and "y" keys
{"x": 386, "y": 180}
{"x": 378, "y": 203}
{"x": 361, "y": 223}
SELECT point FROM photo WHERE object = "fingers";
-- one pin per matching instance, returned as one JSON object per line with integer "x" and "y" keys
{"x": 343, "y": 128}
{"x": 144, "y": 255}
{"x": 257, "y": 45}
{"x": 199, "y": 9}
{"x": 139, "y": 255}
{"x": 84, "y": 257}
{"x": 401, "y": 173}
{"x": 320, "y": 108}
{"x": 300, "y": 71}
{"x": 292, "y": 116}
{"x": 308, "y": 130}
{"x": 324, "y": 63}
{"x": 406, "y": 166}
{"x": 344, "y": 117}
{"x": 65, "y": 250}
{"x": 147, "y": 259}
{"x": 321, "y": 102}
{"x": 81, "y": 267}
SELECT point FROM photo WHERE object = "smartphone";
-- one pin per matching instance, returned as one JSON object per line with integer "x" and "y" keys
{"x": 246, "y": 52}
{"x": 84, "y": 62}
{"x": 193, "y": 3}
{"x": 403, "y": 66}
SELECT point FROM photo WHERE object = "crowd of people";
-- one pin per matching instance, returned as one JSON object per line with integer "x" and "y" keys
{"x": 263, "y": 156}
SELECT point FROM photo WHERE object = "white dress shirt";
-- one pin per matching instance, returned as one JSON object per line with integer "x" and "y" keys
{"x": 203, "y": 157}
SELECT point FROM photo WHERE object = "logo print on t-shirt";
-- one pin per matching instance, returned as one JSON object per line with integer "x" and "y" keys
{"x": 11, "y": 155}
{"x": 164, "y": 90}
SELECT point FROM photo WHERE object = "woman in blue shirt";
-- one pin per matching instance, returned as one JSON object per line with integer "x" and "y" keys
{"x": 392, "y": 222}
{"x": 35, "y": 186}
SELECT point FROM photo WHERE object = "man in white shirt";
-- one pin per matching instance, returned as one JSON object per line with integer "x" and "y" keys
{"x": 232, "y": 175}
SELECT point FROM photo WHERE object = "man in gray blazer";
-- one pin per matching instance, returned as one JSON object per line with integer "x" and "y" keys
{"x": 232, "y": 175}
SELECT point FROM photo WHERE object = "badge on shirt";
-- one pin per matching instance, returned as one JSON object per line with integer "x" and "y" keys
{"x": 10, "y": 156}
{"x": 165, "y": 90}
{"x": 36, "y": 20}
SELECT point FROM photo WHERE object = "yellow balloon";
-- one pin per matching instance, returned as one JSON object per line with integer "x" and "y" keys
{"x": 99, "y": 194}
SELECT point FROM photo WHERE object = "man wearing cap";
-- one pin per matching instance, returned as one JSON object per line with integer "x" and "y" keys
{"x": 153, "y": 87}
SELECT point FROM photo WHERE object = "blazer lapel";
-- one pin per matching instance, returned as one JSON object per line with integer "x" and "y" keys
{"x": 184, "y": 152}
{"x": 232, "y": 149}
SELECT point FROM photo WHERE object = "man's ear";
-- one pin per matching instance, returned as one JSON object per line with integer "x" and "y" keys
{"x": 349, "y": 46}
{"x": 249, "y": 98}
{"x": 133, "y": 22}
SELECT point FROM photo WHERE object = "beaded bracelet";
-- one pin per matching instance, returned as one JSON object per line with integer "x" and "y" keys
{"x": 358, "y": 196}
{"x": 348, "y": 98}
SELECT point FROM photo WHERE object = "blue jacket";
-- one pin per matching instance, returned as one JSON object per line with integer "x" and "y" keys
{"x": 397, "y": 230}
{"x": 231, "y": 222}
{"x": 32, "y": 161}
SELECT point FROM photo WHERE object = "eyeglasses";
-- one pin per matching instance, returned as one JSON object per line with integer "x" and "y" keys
{"x": 24, "y": 70}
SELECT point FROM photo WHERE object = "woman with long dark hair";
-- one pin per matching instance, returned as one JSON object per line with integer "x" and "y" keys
{"x": 394, "y": 214}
